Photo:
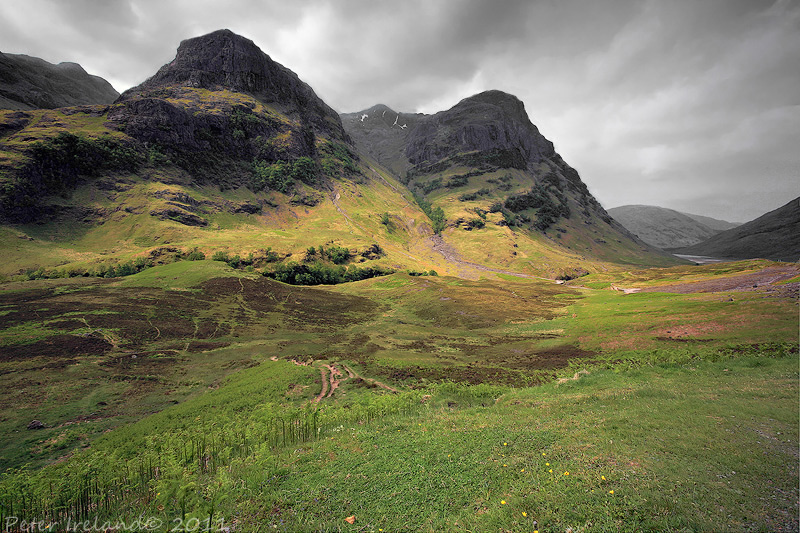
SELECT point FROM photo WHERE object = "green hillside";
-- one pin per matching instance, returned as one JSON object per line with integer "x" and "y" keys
{"x": 224, "y": 307}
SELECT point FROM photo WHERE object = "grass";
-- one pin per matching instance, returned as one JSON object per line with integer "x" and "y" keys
{"x": 661, "y": 448}
{"x": 192, "y": 390}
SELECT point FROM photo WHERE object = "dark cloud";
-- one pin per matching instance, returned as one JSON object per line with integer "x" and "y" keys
{"x": 690, "y": 105}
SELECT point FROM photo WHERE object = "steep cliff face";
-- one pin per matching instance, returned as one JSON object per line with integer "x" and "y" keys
{"x": 382, "y": 133}
{"x": 225, "y": 60}
{"x": 31, "y": 83}
{"x": 221, "y": 111}
{"x": 483, "y": 164}
{"x": 489, "y": 121}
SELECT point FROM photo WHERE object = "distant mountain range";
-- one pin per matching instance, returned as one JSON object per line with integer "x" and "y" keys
{"x": 667, "y": 228}
{"x": 775, "y": 235}
{"x": 31, "y": 83}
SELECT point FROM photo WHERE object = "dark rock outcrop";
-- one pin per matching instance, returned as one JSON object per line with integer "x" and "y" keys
{"x": 225, "y": 60}
{"x": 492, "y": 122}
{"x": 180, "y": 216}
{"x": 36, "y": 424}
{"x": 31, "y": 83}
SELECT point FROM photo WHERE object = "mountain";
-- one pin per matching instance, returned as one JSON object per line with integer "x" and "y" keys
{"x": 224, "y": 150}
{"x": 774, "y": 235}
{"x": 31, "y": 83}
{"x": 713, "y": 223}
{"x": 382, "y": 133}
{"x": 494, "y": 179}
{"x": 665, "y": 228}
{"x": 225, "y": 60}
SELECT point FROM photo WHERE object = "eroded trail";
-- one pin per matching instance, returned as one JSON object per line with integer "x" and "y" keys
{"x": 324, "y": 392}
{"x": 332, "y": 377}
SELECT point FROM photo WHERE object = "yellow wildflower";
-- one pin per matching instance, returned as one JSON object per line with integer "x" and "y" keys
{"x": 524, "y": 514}
{"x": 502, "y": 502}
{"x": 611, "y": 492}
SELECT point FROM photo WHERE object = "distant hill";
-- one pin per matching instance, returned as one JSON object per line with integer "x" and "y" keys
{"x": 667, "y": 228}
{"x": 775, "y": 235}
{"x": 31, "y": 83}
{"x": 713, "y": 223}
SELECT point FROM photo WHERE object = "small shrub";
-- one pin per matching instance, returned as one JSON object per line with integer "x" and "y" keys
{"x": 195, "y": 255}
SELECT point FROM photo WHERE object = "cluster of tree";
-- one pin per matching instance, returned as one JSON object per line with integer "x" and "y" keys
{"x": 423, "y": 273}
{"x": 468, "y": 197}
{"x": 118, "y": 270}
{"x": 236, "y": 261}
{"x": 319, "y": 273}
{"x": 281, "y": 175}
{"x": 436, "y": 214}
{"x": 550, "y": 203}
{"x": 336, "y": 156}
{"x": 335, "y": 254}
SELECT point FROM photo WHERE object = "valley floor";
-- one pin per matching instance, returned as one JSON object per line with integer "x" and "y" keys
{"x": 192, "y": 391}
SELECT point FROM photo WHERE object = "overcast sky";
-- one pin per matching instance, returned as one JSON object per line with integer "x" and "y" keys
{"x": 688, "y": 104}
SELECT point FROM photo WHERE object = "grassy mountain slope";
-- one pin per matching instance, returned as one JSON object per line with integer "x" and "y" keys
{"x": 774, "y": 235}
{"x": 661, "y": 227}
{"x": 713, "y": 223}
{"x": 32, "y": 83}
{"x": 505, "y": 196}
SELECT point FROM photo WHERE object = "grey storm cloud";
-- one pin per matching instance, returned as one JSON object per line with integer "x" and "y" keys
{"x": 684, "y": 104}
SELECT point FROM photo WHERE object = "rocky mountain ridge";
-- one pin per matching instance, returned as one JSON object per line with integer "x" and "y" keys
{"x": 223, "y": 139}
{"x": 225, "y": 60}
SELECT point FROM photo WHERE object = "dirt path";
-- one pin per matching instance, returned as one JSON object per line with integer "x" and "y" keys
{"x": 324, "y": 386}
{"x": 375, "y": 382}
{"x": 332, "y": 378}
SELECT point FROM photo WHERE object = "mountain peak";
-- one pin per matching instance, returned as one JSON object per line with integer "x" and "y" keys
{"x": 224, "y": 60}
{"x": 491, "y": 120}
{"x": 509, "y": 103}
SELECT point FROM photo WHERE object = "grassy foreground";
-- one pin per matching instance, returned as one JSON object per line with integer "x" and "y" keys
{"x": 707, "y": 447}
{"x": 197, "y": 397}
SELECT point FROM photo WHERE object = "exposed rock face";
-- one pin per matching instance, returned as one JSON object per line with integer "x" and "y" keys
{"x": 382, "y": 133}
{"x": 492, "y": 120}
{"x": 36, "y": 424}
{"x": 31, "y": 83}
{"x": 224, "y": 60}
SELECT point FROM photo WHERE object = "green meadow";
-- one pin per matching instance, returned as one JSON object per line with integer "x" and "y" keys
{"x": 197, "y": 396}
